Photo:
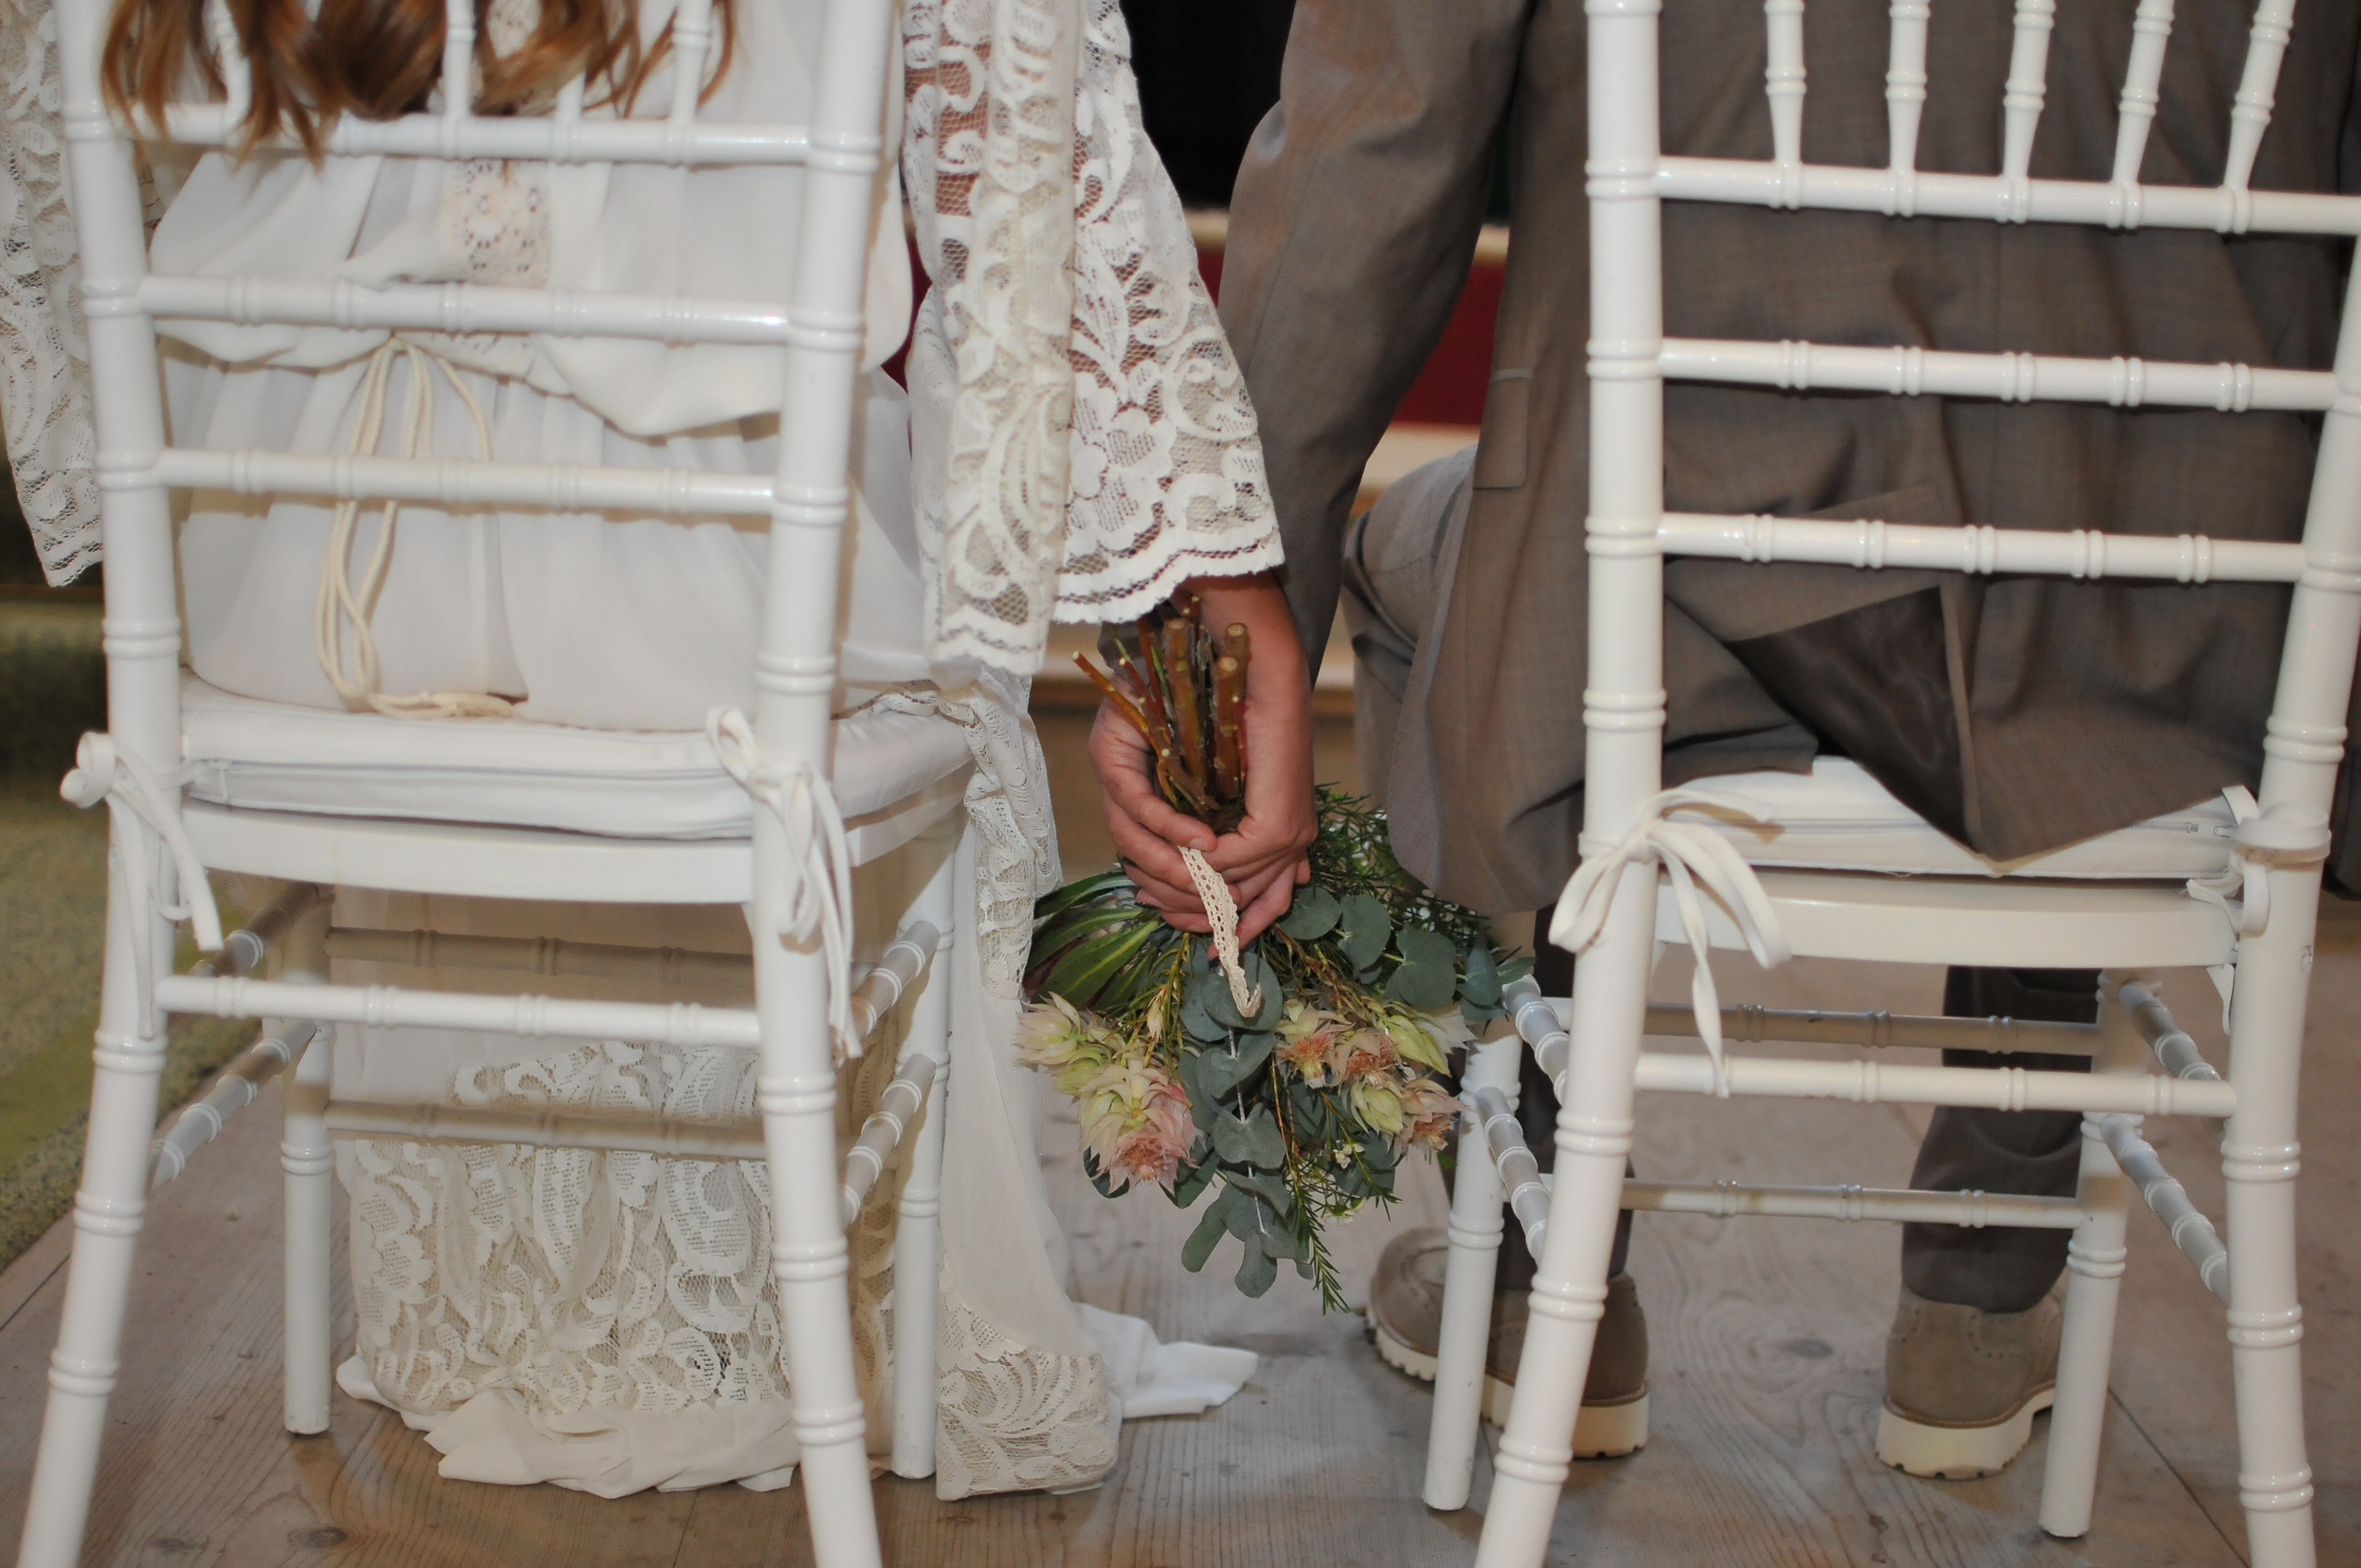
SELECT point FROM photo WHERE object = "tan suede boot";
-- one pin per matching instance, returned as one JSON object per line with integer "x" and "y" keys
{"x": 1406, "y": 1320}
{"x": 1962, "y": 1385}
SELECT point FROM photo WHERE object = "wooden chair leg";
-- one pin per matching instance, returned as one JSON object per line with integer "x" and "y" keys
{"x": 2261, "y": 1159}
{"x": 1475, "y": 1229}
{"x": 916, "y": 1235}
{"x": 108, "y": 1211}
{"x": 308, "y": 1158}
{"x": 2094, "y": 1260}
{"x": 1593, "y": 1139}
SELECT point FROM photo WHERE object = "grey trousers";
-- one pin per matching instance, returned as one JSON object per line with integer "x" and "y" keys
{"x": 1397, "y": 558}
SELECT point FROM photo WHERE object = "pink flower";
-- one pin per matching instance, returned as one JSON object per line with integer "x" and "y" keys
{"x": 1136, "y": 1123}
{"x": 1428, "y": 1113}
{"x": 1367, "y": 1054}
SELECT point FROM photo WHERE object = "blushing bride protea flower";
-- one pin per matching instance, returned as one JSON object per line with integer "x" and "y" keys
{"x": 1428, "y": 1112}
{"x": 1309, "y": 1038}
{"x": 1054, "y": 1036}
{"x": 1136, "y": 1123}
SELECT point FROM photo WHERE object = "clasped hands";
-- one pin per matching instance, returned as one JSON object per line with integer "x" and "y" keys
{"x": 1264, "y": 861}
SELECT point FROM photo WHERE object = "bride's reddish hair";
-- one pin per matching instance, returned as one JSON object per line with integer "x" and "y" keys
{"x": 376, "y": 59}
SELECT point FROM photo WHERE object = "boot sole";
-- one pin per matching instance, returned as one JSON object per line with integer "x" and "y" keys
{"x": 1600, "y": 1432}
{"x": 1957, "y": 1453}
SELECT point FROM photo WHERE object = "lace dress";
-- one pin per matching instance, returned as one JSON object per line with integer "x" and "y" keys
{"x": 604, "y": 1321}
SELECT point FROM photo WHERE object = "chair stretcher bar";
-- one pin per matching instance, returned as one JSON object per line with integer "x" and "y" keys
{"x": 2193, "y": 1233}
{"x": 389, "y": 1007}
{"x": 234, "y": 1089}
{"x": 1539, "y": 1025}
{"x": 1528, "y": 1192}
{"x": 1995, "y": 1087}
{"x": 1748, "y": 1024}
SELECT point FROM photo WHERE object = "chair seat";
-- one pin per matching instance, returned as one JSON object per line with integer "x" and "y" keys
{"x": 274, "y": 757}
{"x": 1838, "y": 817}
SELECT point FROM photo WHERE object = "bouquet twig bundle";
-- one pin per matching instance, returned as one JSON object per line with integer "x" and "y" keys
{"x": 1293, "y": 1091}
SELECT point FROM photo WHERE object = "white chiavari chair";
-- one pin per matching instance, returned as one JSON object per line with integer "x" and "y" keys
{"x": 1656, "y": 868}
{"x": 745, "y": 814}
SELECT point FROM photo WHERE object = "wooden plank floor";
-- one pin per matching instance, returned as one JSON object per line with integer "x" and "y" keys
{"x": 1768, "y": 1338}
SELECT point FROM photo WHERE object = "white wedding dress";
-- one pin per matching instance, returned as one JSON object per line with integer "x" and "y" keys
{"x": 604, "y": 1321}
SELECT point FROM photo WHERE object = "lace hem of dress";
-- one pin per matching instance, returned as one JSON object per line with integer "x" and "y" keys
{"x": 45, "y": 395}
{"x": 1100, "y": 448}
{"x": 1011, "y": 1418}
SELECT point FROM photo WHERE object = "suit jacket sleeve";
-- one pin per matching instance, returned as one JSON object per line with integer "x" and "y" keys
{"x": 1352, "y": 229}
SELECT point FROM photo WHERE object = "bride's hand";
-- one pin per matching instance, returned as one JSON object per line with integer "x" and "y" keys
{"x": 1264, "y": 859}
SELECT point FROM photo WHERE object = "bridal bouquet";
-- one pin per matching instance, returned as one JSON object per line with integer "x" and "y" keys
{"x": 1290, "y": 1078}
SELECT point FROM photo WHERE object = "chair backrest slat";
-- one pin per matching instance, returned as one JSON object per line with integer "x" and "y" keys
{"x": 458, "y": 61}
{"x": 2151, "y": 30}
{"x": 1906, "y": 83}
{"x": 1783, "y": 79}
{"x": 2027, "y": 88}
{"x": 2250, "y": 112}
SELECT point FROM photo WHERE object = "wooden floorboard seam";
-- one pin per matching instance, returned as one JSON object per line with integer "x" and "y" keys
{"x": 2164, "y": 1455}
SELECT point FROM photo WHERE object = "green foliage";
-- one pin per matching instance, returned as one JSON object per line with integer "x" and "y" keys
{"x": 1280, "y": 1153}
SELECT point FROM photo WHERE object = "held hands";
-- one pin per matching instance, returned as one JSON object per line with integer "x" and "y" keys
{"x": 1264, "y": 859}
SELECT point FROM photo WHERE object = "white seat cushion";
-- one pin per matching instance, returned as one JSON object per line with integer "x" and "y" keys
{"x": 269, "y": 756}
{"x": 1838, "y": 817}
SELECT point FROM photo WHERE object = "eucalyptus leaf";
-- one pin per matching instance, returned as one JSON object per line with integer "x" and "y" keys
{"x": 1223, "y": 1008}
{"x": 1377, "y": 1152}
{"x": 1365, "y": 928}
{"x": 1420, "y": 945}
{"x": 1194, "y": 1180}
{"x": 1195, "y": 1022}
{"x": 1255, "y": 1141}
{"x": 1222, "y": 1069}
{"x": 1281, "y": 1245}
{"x": 1265, "y": 1186}
{"x": 1314, "y": 914}
{"x": 1255, "y": 1272}
{"x": 1202, "y": 1109}
{"x": 1421, "y": 983}
{"x": 1203, "y": 1240}
{"x": 1239, "y": 1212}
{"x": 1482, "y": 985}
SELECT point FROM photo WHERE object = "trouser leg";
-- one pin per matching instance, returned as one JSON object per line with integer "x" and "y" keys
{"x": 2037, "y": 1152}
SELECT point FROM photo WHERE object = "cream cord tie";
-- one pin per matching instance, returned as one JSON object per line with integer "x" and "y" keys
{"x": 340, "y": 605}
{"x": 2285, "y": 834}
{"x": 1221, "y": 911}
{"x": 144, "y": 809}
{"x": 1691, "y": 852}
{"x": 815, "y": 895}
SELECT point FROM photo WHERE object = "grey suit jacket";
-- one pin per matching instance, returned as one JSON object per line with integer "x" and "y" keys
{"x": 2016, "y": 714}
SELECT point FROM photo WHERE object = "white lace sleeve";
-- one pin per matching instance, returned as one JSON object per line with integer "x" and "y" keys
{"x": 1100, "y": 446}
{"x": 45, "y": 399}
